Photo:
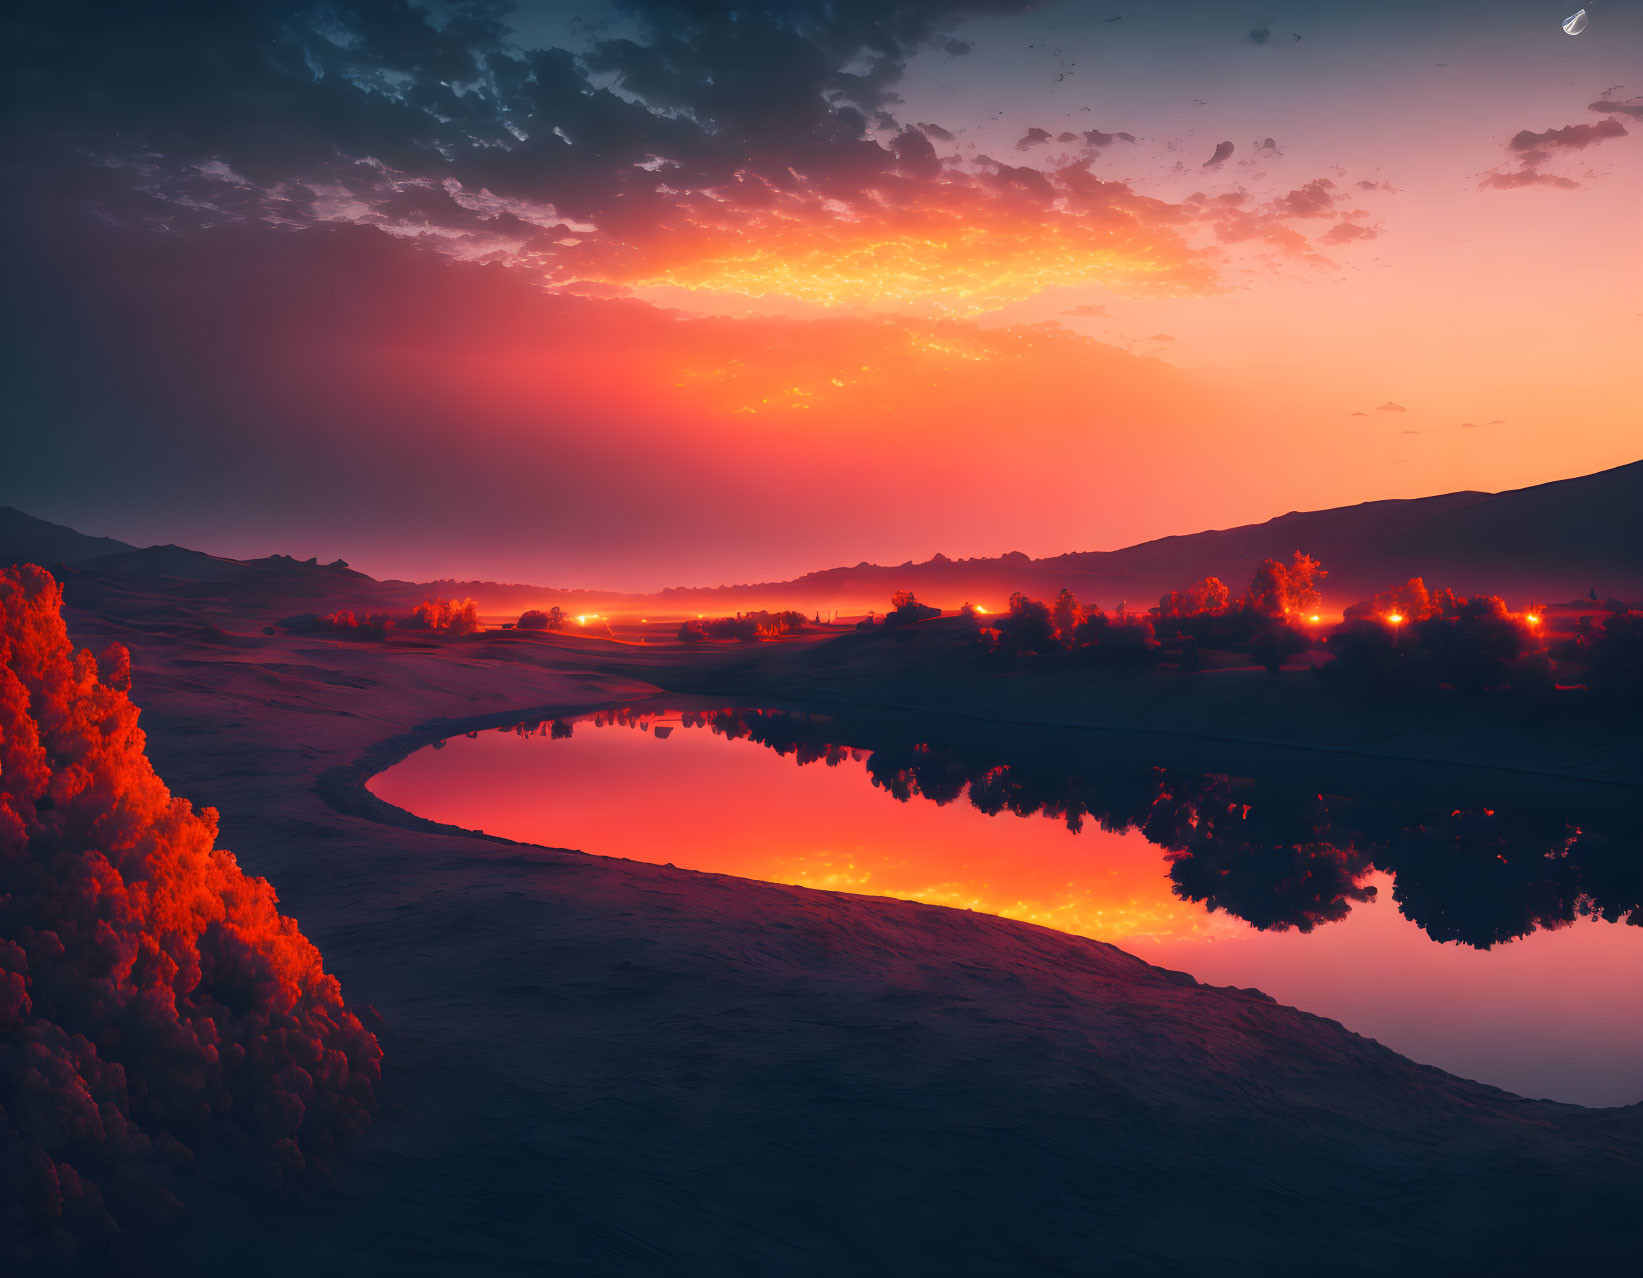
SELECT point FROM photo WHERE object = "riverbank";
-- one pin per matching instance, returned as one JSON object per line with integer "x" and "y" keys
{"x": 934, "y": 668}
{"x": 600, "y": 1066}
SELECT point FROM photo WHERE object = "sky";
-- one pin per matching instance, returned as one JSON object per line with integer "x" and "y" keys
{"x": 664, "y": 292}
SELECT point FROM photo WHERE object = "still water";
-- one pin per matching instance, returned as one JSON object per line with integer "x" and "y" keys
{"x": 1472, "y": 938}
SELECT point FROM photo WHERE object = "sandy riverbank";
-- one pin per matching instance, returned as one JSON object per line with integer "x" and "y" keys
{"x": 598, "y": 1066}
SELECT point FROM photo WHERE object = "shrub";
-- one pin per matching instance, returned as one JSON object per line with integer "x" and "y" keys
{"x": 535, "y": 619}
{"x": 152, "y": 996}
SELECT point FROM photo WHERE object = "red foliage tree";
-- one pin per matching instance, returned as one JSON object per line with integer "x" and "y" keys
{"x": 459, "y": 616}
{"x": 1278, "y": 589}
{"x": 152, "y": 996}
{"x": 1209, "y": 597}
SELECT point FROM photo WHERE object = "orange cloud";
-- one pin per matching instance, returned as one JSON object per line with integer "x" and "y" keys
{"x": 960, "y": 244}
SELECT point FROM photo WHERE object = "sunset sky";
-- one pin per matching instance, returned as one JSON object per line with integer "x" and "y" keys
{"x": 663, "y": 292}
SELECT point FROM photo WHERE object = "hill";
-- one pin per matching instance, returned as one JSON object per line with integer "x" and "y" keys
{"x": 23, "y": 537}
{"x": 1549, "y": 542}
{"x": 1552, "y": 540}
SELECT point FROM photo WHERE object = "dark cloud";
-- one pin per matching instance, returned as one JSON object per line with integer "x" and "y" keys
{"x": 1390, "y": 407}
{"x": 1512, "y": 180}
{"x": 1348, "y": 232}
{"x": 1260, "y": 35}
{"x": 1571, "y": 137}
{"x": 1315, "y": 199}
{"x": 680, "y": 131}
{"x": 915, "y": 155}
{"x": 278, "y": 94}
{"x": 1530, "y": 150}
{"x": 1223, "y": 152}
{"x": 1632, "y": 107}
{"x": 1086, "y": 311}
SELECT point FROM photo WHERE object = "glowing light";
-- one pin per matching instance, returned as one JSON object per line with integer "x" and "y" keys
{"x": 981, "y": 610}
{"x": 1396, "y": 618}
{"x": 1314, "y": 618}
{"x": 1532, "y": 619}
{"x": 956, "y": 247}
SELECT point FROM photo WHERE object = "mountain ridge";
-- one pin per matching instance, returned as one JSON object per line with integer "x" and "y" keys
{"x": 1549, "y": 540}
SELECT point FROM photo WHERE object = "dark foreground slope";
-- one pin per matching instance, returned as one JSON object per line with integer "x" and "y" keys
{"x": 602, "y": 1067}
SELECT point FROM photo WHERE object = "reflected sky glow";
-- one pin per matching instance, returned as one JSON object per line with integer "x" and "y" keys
{"x": 1552, "y": 1014}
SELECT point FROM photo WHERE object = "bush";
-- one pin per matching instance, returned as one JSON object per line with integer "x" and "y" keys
{"x": 153, "y": 999}
{"x": 458, "y": 616}
{"x": 1443, "y": 640}
{"x": 1610, "y": 651}
{"x": 907, "y": 611}
{"x": 535, "y": 619}
{"x": 748, "y": 627}
{"x": 375, "y": 625}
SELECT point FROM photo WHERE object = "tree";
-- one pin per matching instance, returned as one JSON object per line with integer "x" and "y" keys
{"x": 535, "y": 619}
{"x": 1279, "y": 589}
{"x": 1611, "y": 650}
{"x": 1065, "y": 614}
{"x": 907, "y": 611}
{"x": 1274, "y": 643}
{"x": 1208, "y": 597}
{"x": 459, "y": 616}
{"x": 1026, "y": 626}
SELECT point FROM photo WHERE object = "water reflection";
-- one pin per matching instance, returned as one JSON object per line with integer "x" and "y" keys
{"x": 1270, "y": 853}
{"x": 1327, "y": 890}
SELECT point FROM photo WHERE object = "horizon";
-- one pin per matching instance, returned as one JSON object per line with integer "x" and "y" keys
{"x": 642, "y": 592}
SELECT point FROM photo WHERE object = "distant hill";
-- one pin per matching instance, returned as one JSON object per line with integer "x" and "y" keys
{"x": 1550, "y": 542}
{"x": 23, "y": 538}
{"x": 166, "y": 561}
